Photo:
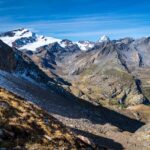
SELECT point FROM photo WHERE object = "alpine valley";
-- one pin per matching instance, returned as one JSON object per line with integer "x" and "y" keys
{"x": 99, "y": 92}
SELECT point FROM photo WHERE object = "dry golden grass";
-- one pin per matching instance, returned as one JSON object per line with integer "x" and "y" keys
{"x": 27, "y": 126}
{"x": 143, "y": 111}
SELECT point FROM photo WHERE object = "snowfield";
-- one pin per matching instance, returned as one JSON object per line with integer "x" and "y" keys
{"x": 40, "y": 41}
{"x": 31, "y": 41}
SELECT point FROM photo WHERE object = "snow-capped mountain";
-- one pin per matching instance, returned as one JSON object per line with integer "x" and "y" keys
{"x": 104, "y": 38}
{"x": 24, "y": 39}
{"x": 85, "y": 45}
{"x": 11, "y": 36}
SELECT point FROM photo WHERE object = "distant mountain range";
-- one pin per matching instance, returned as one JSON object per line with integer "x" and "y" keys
{"x": 95, "y": 88}
{"x": 112, "y": 70}
{"x": 25, "y": 39}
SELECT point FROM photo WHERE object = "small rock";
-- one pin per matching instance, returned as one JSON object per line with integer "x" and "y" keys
{"x": 1, "y": 133}
{"x": 85, "y": 139}
{"x": 48, "y": 137}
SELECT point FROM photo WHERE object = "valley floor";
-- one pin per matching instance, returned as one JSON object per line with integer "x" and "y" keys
{"x": 101, "y": 125}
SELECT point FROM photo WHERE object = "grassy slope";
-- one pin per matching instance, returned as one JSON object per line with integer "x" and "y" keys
{"x": 100, "y": 84}
{"x": 26, "y": 126}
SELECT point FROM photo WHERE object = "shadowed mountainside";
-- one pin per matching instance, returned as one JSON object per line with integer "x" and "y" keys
{"x": 26, "y": 126}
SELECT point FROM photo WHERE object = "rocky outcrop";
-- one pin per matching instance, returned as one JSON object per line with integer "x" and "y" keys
{"x": 143, "y": 136}
{"x": 7, "y": 58}
{"x": 15, "y": 61}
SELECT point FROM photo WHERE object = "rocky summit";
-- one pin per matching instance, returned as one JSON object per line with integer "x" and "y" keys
{"x": 99, "y": 91}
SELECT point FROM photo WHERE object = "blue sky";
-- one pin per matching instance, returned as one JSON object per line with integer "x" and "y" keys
{"x": 78, "y": 19}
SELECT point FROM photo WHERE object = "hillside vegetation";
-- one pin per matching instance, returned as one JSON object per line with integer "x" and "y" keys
{"x": 26, "y": 126}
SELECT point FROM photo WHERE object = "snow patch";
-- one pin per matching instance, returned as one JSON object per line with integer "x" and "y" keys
{"x": 40, "y": 41}
{"x": 85, "y": 45}
{"x": 17, "y": 35}
{"x": 104, "y": 38}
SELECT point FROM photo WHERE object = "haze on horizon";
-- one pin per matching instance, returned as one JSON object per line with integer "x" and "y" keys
{"x": 77, "y": 19}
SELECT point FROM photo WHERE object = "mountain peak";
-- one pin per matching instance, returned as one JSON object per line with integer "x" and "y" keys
{"x": 104, "y": 38}
{"x": 23, "y": 38}
{"x": 21, "y": 29}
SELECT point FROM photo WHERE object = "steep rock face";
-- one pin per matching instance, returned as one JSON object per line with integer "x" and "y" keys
{"x": 46, "y": 58}
{"x": 69, "y": 45}
{"x": 16, "y": 65}
{"x": 15, "y": 61}
{"x": 7, "y": 57}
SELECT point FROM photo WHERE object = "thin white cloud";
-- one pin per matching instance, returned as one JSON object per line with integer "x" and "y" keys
{"x": 108, "y": 32}
{"x": 83, "y": 27}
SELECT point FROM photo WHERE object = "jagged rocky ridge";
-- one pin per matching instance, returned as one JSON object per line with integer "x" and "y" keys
{"x": 16, "y": 64}
{"x": 107, "y": 72}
